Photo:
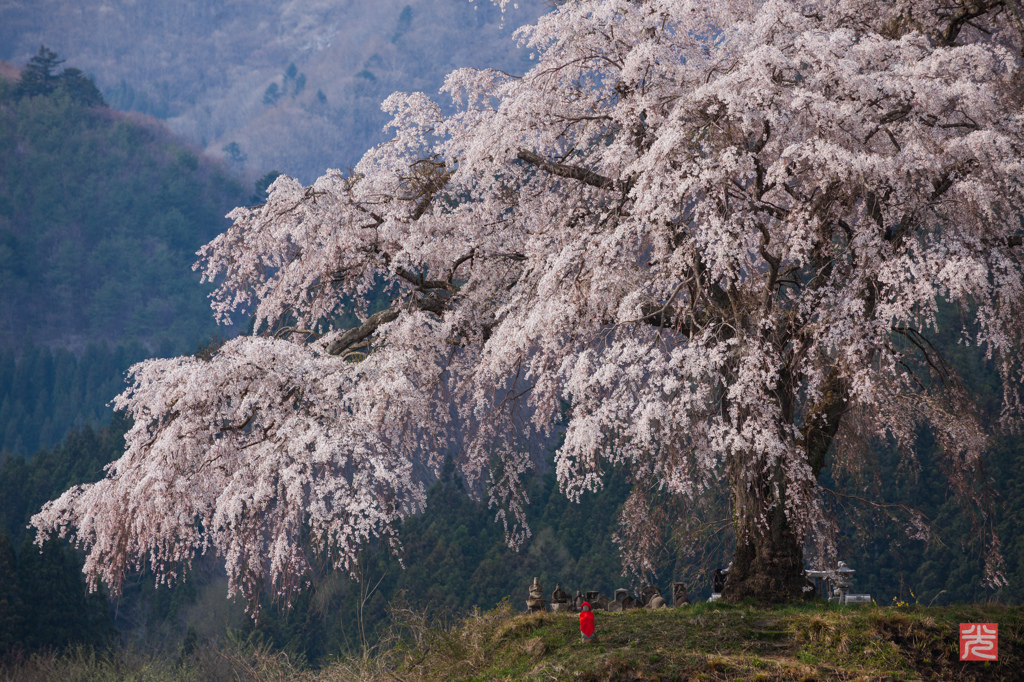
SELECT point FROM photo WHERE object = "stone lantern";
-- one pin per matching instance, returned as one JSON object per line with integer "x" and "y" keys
{"x": 844, "y": 581}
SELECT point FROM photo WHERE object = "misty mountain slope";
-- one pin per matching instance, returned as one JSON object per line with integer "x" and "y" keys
{"x": 100, "y": 218}
{"x": 101, "y": 214}
{"x": 220, "y": 71}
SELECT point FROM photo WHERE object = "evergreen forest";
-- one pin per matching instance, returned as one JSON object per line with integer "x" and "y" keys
{"x": 100, "y": 217}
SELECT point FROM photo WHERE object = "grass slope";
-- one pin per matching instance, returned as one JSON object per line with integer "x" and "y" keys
{"x": 719, "y": 642}
{"x": 702, "y": 642}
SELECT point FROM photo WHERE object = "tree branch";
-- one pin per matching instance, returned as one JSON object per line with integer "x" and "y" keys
{"x": 425, "y": 284}
{"x": 584, "y": 175}
{"x": 823, "y": 420}
{"x": 971, "y": 9}
{"x": 359, "y": 333}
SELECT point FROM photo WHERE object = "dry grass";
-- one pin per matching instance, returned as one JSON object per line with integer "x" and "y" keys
{"x": 702, "y": 642}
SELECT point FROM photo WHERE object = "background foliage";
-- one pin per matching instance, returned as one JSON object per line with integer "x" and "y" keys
{"x": 100, "y": 217}
{"x": 294, "y": 85}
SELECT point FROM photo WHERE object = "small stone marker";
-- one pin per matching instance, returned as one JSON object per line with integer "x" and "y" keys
{"x": 648, "y": 593}
{"x": 657, "y": 602}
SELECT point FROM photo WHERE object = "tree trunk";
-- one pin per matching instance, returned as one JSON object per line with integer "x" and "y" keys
{"x": 768, "y": 565}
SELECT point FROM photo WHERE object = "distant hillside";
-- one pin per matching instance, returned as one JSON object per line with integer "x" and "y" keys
{"x": 101, "y": 214}
{"x": 100, "y": 218}
{"x": 293, "y": 85}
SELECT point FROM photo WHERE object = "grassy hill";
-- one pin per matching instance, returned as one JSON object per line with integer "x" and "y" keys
{"x": 701, "y": 642}
{"x": 717, "y": 642}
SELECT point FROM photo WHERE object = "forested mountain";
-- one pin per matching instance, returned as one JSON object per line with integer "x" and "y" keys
{"x": 101, "y": 214}
{"x": 293, "y": 85}
{"x": 100, "y": 217}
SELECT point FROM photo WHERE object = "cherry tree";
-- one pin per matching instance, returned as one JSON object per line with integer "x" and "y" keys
{"x": 708, "y": 238}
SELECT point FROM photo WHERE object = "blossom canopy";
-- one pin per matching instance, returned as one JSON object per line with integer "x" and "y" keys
{"x": 708, "y": 238}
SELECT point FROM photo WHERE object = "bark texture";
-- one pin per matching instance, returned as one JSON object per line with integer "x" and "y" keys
{"x": 768, "y": 563}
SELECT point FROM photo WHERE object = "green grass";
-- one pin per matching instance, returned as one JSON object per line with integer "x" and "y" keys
{"x": 720, "y": 642}
{"x": 701, "y": 642}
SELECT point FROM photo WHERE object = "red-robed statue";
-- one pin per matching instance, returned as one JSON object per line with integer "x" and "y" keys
{"x": 586, "y": 622}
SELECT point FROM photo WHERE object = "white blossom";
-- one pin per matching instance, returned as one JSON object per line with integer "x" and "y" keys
{"x": 710, "y": 235}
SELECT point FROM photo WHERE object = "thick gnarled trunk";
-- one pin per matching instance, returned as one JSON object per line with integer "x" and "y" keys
{"x": 768, "y": 562}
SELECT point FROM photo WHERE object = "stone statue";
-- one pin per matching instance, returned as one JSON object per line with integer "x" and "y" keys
{"x": 648, "y": 593}
{"x": 536, "y": 601}
{"x": 679, "y": 594}
{"x": 560, "y": 599}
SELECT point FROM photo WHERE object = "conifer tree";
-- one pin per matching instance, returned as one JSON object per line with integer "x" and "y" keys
{"x": 39, "y": 76}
